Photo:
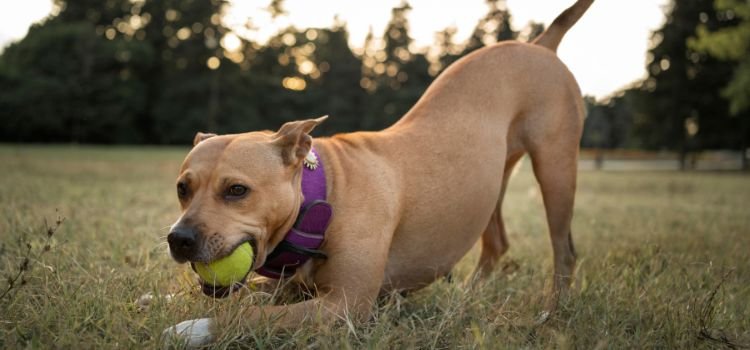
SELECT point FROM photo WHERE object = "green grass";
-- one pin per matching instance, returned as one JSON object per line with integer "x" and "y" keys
{"x": 653, "y": 248}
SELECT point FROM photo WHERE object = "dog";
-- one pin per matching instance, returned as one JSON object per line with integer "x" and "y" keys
{"x": 408, "y": 201}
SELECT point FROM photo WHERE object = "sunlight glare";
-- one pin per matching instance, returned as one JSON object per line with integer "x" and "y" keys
{"x": 294, "y": 83}
{"x": 231, "y": 42}
{"x": 213, "y": 63}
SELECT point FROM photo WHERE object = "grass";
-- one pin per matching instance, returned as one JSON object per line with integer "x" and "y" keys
{"x": 664, "y": 263}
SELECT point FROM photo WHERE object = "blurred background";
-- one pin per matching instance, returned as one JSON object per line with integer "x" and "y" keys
{"x": 667, "y": 82}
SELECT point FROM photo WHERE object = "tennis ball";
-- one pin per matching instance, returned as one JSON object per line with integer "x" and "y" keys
{"x": 228, "y": 270}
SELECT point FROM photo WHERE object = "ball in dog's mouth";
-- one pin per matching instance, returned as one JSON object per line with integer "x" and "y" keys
{"x": 222, "y": 276}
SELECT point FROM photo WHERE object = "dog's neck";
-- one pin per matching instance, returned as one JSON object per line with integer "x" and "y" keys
{"x": 302, "y": 241}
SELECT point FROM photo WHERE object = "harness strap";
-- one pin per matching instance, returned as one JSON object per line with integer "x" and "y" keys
{"x": 301, "y": 242}
{"x": 308, "y": 233}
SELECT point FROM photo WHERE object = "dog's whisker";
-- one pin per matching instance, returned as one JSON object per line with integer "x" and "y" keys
{"x": 160, "y": 247}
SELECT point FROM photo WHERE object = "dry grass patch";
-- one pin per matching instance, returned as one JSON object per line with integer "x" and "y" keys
{"x": 663, "y": 263}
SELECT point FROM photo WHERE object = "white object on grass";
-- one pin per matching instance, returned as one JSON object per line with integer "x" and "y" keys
{"x": 194, "y": 333}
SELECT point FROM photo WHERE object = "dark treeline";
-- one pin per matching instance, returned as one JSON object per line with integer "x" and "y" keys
{"x": 157, "y": 71}
{"x": 693, "y": 98}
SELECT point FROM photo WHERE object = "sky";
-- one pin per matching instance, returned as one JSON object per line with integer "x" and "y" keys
{"x": 605, "y": 50}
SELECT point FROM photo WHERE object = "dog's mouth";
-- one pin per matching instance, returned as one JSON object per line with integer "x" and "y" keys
{"x": 224, "y": 291}
{"x": 207, "y": 258}
{"x": 253, "y": 245}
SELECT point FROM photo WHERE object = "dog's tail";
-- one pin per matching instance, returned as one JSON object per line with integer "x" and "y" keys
{"x": 553, "y": 35}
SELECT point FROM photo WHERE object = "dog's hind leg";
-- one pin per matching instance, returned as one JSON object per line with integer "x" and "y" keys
{"x": 555, "y": 167}
{"x": 494, "y": 240}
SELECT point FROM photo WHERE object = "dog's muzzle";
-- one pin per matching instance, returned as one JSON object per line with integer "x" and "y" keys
{"x": 183, "y": 243}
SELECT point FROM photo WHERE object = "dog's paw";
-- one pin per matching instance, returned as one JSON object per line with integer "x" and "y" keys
{"x": 192, "y": 333}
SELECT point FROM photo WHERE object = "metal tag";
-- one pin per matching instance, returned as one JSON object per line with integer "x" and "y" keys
{"x": 311, "y": 161}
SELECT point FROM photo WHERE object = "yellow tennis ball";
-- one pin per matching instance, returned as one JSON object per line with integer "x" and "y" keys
{"x": 228, "y": 270}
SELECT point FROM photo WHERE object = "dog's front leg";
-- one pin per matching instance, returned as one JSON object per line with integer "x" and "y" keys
{"x": 348, "y": 285}
{"x": 203, "y": 331}
{"x": 331, "y": 307}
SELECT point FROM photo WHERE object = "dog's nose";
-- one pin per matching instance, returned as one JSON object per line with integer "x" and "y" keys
{"x": 183, "y": 242}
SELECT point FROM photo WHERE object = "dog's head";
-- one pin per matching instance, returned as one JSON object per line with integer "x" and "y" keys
{"x": 239, "y": 188}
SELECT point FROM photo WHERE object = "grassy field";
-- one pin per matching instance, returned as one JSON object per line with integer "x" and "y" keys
{"x": 664, "y": 263}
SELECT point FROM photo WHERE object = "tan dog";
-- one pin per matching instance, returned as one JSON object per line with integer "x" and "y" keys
{"x": 409, "y": 201}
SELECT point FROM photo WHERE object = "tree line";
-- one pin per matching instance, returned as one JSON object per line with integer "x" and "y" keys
{"x": 696, "y": 94}
{"x": 157, "y": 71}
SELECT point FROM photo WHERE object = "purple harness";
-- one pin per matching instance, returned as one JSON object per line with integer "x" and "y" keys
{"x": 304, "y": 238}
{"x": 302, "y": 241}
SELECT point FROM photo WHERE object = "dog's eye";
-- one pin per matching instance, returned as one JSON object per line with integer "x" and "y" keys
{"x": 182, "y": 190}
{"x": 236, "y": 191}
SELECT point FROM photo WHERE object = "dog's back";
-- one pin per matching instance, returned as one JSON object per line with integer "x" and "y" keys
{"x": 451, "y": 152}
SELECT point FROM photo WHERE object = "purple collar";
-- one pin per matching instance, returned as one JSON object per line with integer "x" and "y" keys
{"x": 304, "y": 238}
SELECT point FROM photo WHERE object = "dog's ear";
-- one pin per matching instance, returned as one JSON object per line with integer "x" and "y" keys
{"x": 295, "y": 140}
{"x": 200, "y": 136}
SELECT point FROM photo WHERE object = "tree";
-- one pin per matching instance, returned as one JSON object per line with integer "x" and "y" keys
{"x": 338, "y": 84}
{"x": 276, "y": 8}
{"x": 400, "y": 76}
{"x": 67, "y": 82}
{"x": 609, "y": 125}
{"x": 188, "y": 85}
{"x": 684, "y": 110}
{"x": 533, "y": 30}
{"x": 397, "y": 41}
{"x": 492, "y": 28}
{"x": 448, "y": 50}
{"x": 122, "y": 72}
{"x": 98, "y": 13}
{"x": 732, "y": 43}
{"x": 310, "y": 73}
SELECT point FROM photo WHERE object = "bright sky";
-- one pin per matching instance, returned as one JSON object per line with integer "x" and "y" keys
{"x": 605, "y": 50}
